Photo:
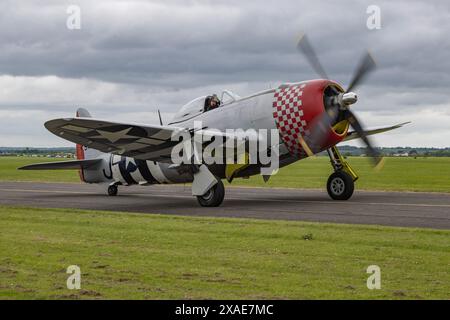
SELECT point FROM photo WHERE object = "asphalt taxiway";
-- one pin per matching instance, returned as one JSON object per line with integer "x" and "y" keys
{"x": 407, "y": 209}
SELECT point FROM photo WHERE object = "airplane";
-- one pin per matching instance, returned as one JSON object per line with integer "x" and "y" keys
{"x": 309, "y": 116}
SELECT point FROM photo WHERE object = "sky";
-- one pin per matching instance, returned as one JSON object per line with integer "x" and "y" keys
{"x": 130, "y": 58}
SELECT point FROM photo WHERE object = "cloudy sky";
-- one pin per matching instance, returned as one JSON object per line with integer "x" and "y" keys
{"x": 132, "y": 57}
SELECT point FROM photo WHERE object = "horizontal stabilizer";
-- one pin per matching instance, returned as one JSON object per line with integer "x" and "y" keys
{"x": 62, "y": 165}
{"x": 354, "y": 135}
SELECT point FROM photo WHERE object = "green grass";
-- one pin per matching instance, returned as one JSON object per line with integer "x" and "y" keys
{"x": 124, "y": 255}
{"x": 403, "y": 174}
{"x": 9, "y": 172}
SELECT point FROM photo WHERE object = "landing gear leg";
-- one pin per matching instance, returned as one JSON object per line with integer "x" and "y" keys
{"x": 113, "y": 190}
{"x": 214, "y": 196}
{"x": 341, "y": 183}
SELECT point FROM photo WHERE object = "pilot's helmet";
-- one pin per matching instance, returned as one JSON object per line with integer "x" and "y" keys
{"x": 215, "y": 98}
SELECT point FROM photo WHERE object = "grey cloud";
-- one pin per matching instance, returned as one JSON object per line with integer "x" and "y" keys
{"x": 135, "y": 56}
{"x": 155, "y": 42}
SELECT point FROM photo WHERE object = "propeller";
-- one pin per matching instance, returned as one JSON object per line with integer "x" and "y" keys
{"x": 337, "y": 104}
{"x": 305, "y": 47}
{"x": 366, "y": 65}
{"x": 356, "y": 125}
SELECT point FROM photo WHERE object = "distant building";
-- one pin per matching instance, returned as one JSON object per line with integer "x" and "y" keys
{"x": 405, "y": 154}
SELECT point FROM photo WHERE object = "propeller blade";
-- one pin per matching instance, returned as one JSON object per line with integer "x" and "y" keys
{"x": 356, "y": 125}
{"x": 366, "y": 65}
{"x": 313, "y": 142}
{"x": 305, "y": 47}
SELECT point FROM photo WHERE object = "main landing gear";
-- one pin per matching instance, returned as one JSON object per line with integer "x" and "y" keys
{"x": 341, "y": 183}
{"x": 214, "y": 196}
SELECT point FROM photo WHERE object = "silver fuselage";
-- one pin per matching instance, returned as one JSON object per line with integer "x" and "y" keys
{"x": 252, "y": 112}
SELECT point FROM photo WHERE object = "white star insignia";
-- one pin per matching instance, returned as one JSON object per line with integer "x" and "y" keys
{"x": 113, "y": 136}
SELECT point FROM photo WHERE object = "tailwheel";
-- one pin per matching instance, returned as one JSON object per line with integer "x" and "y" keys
{"x": 113, "y": 190}
{"x": 214, "y": 196}
{"x": 340, "y": 185}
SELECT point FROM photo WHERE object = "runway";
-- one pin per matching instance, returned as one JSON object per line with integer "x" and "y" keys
{"x": 429, "y": 210}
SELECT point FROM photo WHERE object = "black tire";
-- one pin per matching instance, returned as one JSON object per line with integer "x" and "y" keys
{"x": 214, "y": 197}
{"x": 112, "y": 191}
{"x": 340, "y": 186}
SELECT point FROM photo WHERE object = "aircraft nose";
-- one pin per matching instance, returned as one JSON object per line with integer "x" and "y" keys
{"x": 296, "y": 108}
{"x": 289, "y": 115}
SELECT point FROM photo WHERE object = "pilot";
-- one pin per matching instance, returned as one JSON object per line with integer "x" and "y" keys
{"x": 212, "y": 102}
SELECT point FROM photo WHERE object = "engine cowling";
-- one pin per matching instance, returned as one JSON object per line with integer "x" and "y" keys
{"x": 297, "y": 108}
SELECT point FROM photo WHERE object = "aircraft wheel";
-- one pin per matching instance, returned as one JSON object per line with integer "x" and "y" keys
{"x": 214, "y": 197}
{"x": 340, "y": 186}
{"x": 112, "y": 190}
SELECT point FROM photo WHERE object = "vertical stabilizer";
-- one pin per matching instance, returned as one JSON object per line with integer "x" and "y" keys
{"x": 83, "y": 152}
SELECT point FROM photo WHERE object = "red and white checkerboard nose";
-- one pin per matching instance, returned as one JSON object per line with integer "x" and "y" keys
{"x": 294, "y": 109}
{"x": 289, "y": 115}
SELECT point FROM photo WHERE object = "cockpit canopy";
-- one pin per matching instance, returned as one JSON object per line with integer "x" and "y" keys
{"x": 197, "y": 106}
{"x": 191, "y": 109}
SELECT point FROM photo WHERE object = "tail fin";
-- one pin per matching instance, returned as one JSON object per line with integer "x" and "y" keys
{"x": 83, "y": 152}
{"x": 92, "y": 164}
{"x": 81, "y": 112}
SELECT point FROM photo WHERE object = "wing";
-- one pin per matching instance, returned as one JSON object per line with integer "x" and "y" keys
{"x": 353, "y": 135}
{"x": 62, "y": 165}
{"x": 147, "y": 142}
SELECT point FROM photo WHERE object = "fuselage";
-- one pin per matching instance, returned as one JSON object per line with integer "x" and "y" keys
{"x": 290, "y": 109}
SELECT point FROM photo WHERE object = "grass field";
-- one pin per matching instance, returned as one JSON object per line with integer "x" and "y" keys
{"x": 123, "y": 255}
{"x": 406, "y": 174}
{"x": 9, "y": 172}
{"x": 403, "y": 174}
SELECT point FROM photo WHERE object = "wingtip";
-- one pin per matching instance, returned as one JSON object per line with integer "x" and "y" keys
{"x": 401, "y": 124}
{"x": 48, "y": 124}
